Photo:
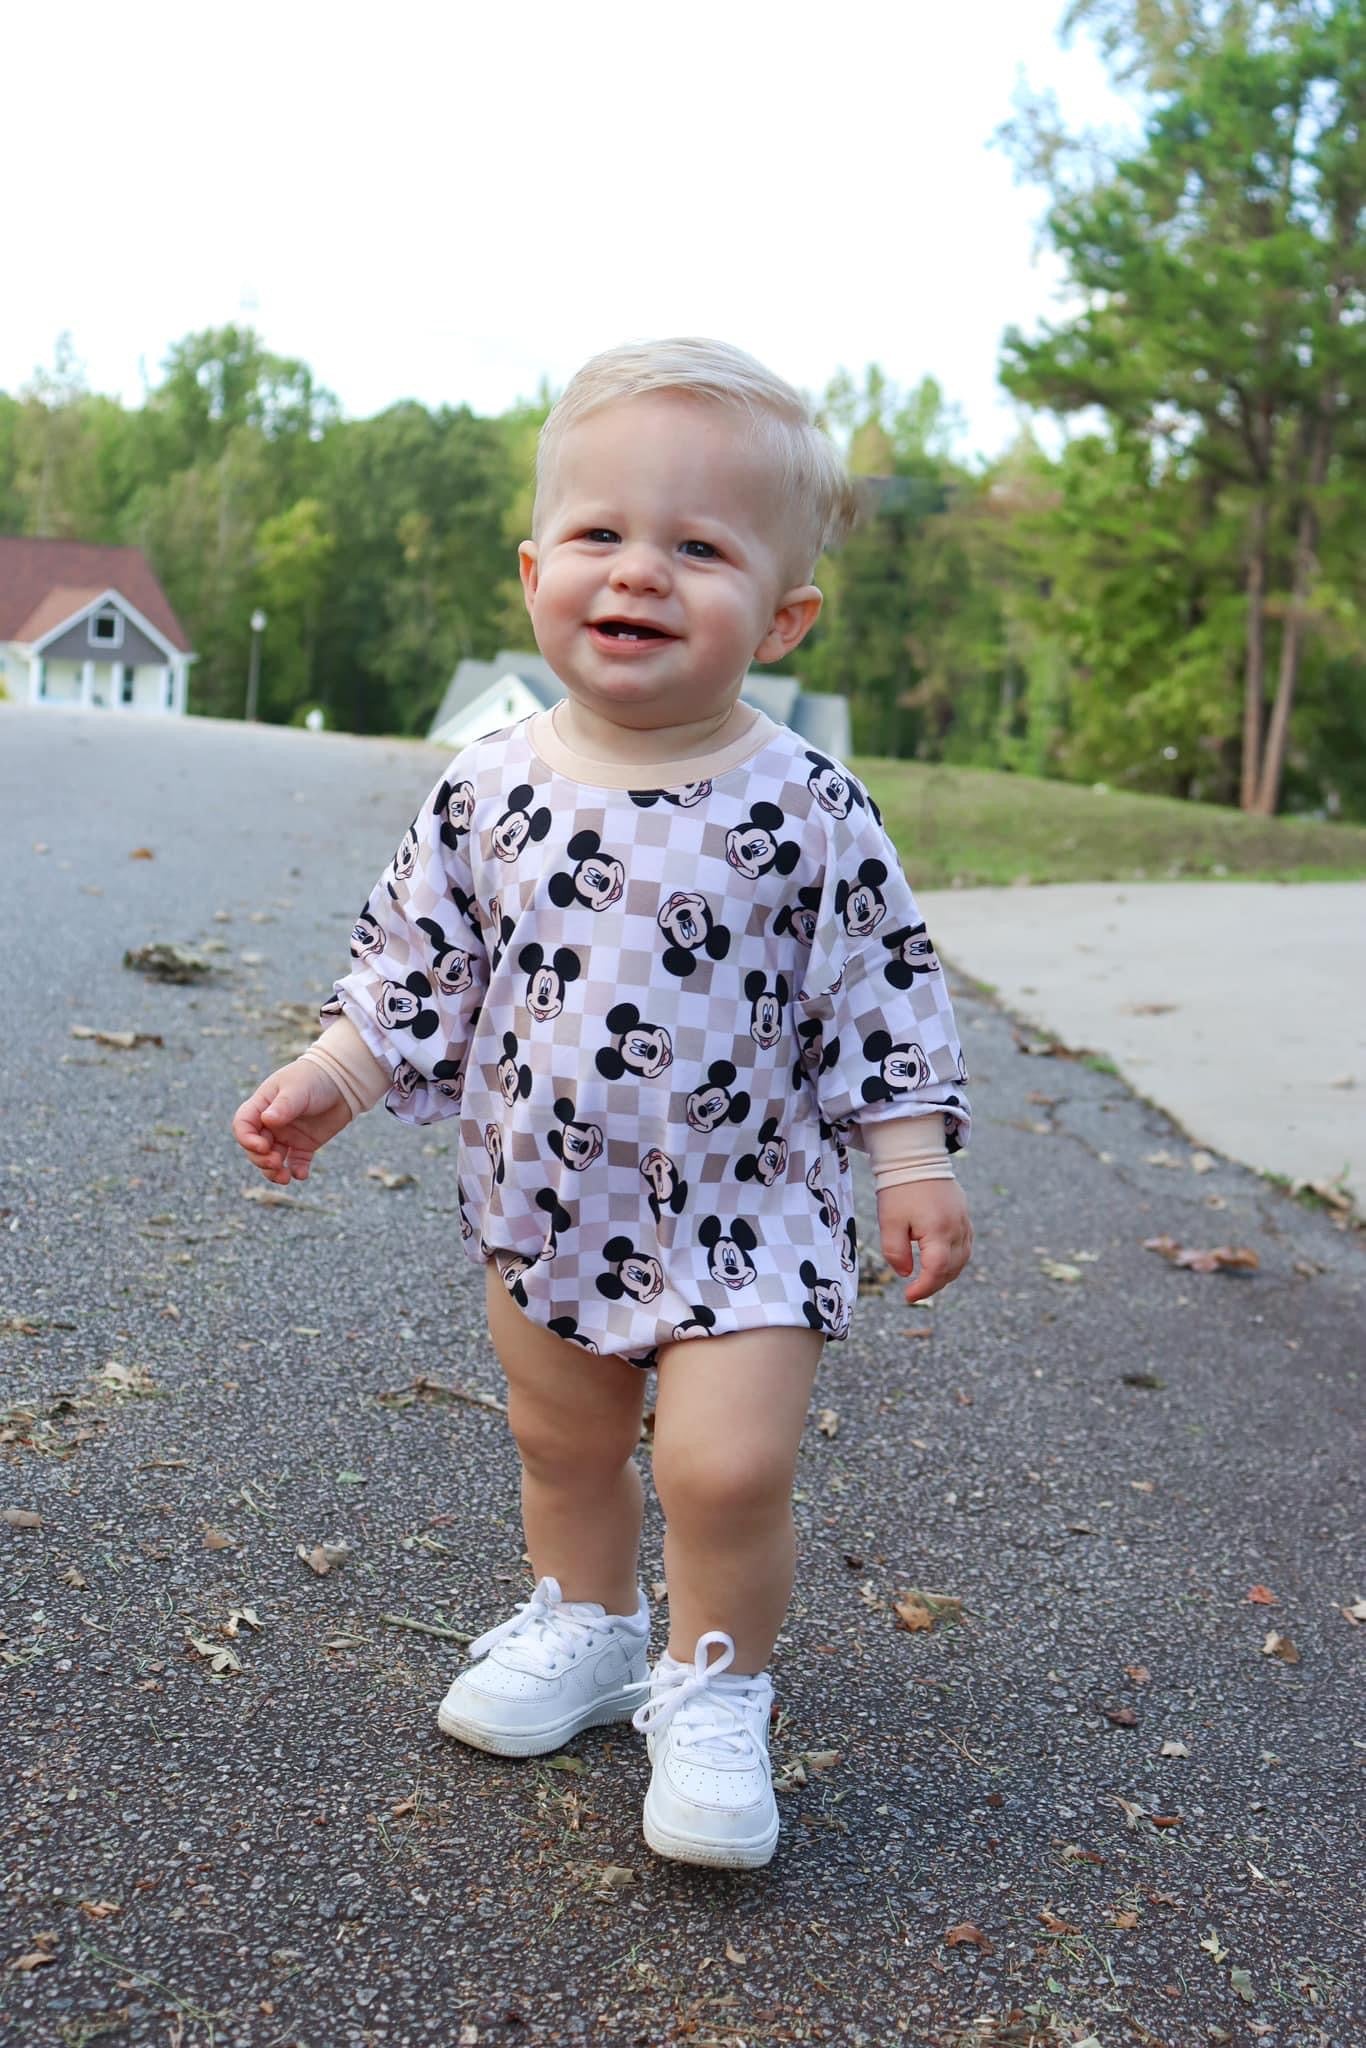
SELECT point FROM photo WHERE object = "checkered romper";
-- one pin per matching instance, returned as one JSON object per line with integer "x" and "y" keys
{"x": 657, "y": 1013}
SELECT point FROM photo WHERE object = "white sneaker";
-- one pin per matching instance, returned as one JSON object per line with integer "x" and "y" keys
{"x": 556, "y": 1667}
{"x": 711, "y": 1792}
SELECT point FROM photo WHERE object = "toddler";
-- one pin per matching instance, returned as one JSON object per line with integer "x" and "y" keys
{"x": 659, "y": 957}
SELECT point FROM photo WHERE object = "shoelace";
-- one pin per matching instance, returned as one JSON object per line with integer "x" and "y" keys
{"x": 710, "y": 1726}
{"x": 541, "y": 1627}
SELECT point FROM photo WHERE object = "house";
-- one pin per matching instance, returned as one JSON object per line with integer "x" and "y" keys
{"x": 88, "y": 625}
{"x": 484, "y": 695}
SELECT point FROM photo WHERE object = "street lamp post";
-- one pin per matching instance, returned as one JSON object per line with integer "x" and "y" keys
{"x": 258, "y": 627}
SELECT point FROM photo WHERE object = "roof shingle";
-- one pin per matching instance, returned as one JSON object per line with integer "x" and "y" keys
{"x": 32, "y": 571}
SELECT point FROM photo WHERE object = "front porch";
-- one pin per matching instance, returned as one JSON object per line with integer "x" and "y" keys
{"x": 109, "y": 685}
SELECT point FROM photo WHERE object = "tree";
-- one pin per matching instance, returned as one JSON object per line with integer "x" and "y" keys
{"x": 1222, "y": 266}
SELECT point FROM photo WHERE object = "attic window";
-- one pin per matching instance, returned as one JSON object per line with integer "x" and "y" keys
{"x": 106, "y": 628}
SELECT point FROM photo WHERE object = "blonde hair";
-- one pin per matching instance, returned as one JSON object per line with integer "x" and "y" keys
{"x": 818, "y": 500}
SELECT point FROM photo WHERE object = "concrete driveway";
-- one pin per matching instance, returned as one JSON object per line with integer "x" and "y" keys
{"x": 1237, "y": 1007}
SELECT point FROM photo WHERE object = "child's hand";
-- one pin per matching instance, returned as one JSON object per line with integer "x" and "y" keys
{"x": 934, "y": 1215}
{"x": 294, "y": 1111}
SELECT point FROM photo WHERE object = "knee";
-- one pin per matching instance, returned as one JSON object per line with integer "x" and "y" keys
{"x": 554, "y": 1452}
{"x": 720, "y": 1483}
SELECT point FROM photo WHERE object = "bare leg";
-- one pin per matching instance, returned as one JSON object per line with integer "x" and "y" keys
{"x": 575, "y": 1416}
{"x": 728, "y": 1421}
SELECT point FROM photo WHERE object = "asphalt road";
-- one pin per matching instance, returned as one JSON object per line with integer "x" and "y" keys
{"x": 1145, "y": 1816}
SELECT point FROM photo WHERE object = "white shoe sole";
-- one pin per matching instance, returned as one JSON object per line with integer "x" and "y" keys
{"x": 529, "y": 1741}
{"x": 715, "y": 1854}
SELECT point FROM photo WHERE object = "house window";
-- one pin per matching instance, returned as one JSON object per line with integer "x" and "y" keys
{"x": 106, "y": 628}
{"x": 126, "y": 687}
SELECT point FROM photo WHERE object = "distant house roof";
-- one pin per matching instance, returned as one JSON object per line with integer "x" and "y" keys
{"x": 39, "y": 576}
{"x": 823, "y": 721}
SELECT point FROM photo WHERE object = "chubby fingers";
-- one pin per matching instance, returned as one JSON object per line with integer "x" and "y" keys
{"x": 942, "y": 1259}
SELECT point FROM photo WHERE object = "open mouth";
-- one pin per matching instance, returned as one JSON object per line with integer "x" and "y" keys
{"x": 628, "y": 629}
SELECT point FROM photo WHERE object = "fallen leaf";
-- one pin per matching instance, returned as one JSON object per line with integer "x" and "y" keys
{"x": 241, "y": 1617}
{"x": 217, "y": 1655}
{"x": 21, "y": 1518}
{"x": 1124, "y": 1919}
{"x": 1058, "y": 1269}
{"x": 1263, "y": 1596}
{"x": 928, "y": 1331}
{"x": 965, "y": 1931}
{"x": 1282, "y": 1647}
{"x": 1056, "y": 1926}
{"x": 917, "y": 1610}
{"x": 1212, "y": 1942}
{"x": 658, "y": 1591}
{"x": 615, "y": 1877}
{"x": 1172, "y": 1748}
{"x": 164, "y": 961}
{"x": 827, "y": 1422}
{"x": 387, "y": 1179}
{"x": 575, "y": 1765}
{"x": 123, "y": 1041}
{"x": 142, "y": 853}
{"x": 217, "y": 1539}
{"x": 1241, "y": 1981}
{"x": 1164, "y": 1159}
{"x": 99, "y": 1909}
{"x": 36, "y": 1957}
{"x": 270, "y": 1198}
{"x": 1122, "y": 1717}
{"x": 1211, "y": 1261}
{"x": 323, "y": 1557}
{"x": 733, "y": 1954}
{"x": 73, "y": 1577}
{"x": 1356, "y": 1612}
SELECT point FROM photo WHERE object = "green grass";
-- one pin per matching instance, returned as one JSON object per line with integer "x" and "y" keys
{"x": 976, "y": 827}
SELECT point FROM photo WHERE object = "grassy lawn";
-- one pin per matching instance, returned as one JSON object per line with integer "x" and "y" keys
{"x": 977, "y": 827}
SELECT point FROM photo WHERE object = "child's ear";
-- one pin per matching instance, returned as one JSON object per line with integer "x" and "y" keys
{"x": 528, "y": 561}
{"x": 796, "y": 614}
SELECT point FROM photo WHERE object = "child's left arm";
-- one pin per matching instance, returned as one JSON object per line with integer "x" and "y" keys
{"x": 881, "y": 1044}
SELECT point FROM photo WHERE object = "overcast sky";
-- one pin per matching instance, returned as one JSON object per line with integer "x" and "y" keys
{"x": 450, "y": 202}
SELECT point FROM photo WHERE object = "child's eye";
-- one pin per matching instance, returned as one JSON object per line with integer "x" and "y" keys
{"x": 707, "y": 552}
{"x": 601, "y": 533}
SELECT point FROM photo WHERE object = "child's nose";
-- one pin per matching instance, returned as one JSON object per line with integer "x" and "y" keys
{"x": 640, "y": 566}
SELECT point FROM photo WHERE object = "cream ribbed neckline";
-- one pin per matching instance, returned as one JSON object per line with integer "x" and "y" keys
{"x": 545, "y": 741}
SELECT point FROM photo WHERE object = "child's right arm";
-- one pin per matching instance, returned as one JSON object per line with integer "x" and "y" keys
{"x": 294, "y": 1111}
{"x": 402, "y": 1018}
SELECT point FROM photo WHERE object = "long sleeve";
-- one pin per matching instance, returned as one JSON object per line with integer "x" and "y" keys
{"x": 904, "y": 1148}
{"x": 876, "y": 1026}
{"x": 343, "y": 1053}
{"x": 421, "y": 969}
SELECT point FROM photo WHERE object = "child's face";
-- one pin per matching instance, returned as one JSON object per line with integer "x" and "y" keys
{"x": 663, "y": 518}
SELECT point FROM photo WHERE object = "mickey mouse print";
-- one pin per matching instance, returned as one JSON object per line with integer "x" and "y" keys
{"x": 661, "y": 1016}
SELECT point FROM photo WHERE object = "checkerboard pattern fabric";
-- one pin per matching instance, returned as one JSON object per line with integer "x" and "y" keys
{"x": 661, "y": 1016}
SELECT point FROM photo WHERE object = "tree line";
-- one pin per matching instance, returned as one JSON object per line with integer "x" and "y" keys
{"x": 1173, "y": 602}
